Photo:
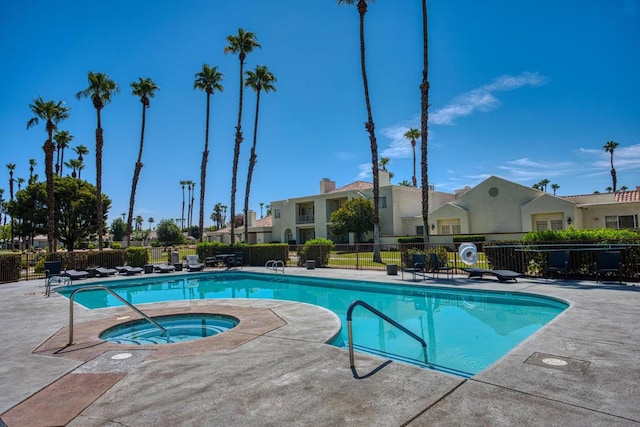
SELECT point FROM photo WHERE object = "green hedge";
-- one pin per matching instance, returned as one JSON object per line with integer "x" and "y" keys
{"x": 318, "y": 250}
{"x": 10, "y": 267}
{"x": 137, "y": 256}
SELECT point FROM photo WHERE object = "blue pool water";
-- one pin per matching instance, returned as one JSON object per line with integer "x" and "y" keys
{"x": 180, "y": 328}
{"x": 465, "y": 330}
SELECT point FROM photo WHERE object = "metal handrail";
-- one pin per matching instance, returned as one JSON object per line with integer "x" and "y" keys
{"x": 383, "y": 317}
{"x": 273, "y": 264}
{"x": 124, "y": 301}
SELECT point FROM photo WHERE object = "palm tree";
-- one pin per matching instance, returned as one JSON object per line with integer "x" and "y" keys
{"x": 207, "y": 80}
{"x": 52, "y": 112}
{"x": 424, "y": 119}
{"x": 412, "y": 134}
{"x": 11, "y": 167}
{"x": 192, "y": 192}
{"x": 32, "y": 165}
{"x": 555, "y": 188}
{"x": 151, "y": 221}
{"x": 139, "y": 221}
{"x": 101, "y": 89}
{"x": 74, "y": 165}
{"x": 182, "y": 184}
{"x": 81, "y": 151}
{"x": 370, "y": 127}
{"x": 259, "y": 80}
{"x": 608, "y": 189}
{"x": 624, "y": 188}
{"x": 261, "y": 206}
{"x": 20, "y": 182}
{"x": 62, "y": 138}
{"x": 242, "y": 44}
{"x": 384, "y": 161}
{"x": 543, "y": 184}
{"x": 145, "y": 89}
{"x": 405, "y": 183}
{"x": 610, "y": 147}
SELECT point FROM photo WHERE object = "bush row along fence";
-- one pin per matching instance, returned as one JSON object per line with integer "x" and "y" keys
{"x": 527, "y": 258}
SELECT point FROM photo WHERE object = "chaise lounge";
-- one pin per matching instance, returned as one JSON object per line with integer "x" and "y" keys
{"x": 502, "y": 275}
{"x": 193, "y": 263}
{"x": 128, "y": 270}
{"x": 75, "y": 274}
{"x": 104, "y": 272}
{"x": 163, "y": 268}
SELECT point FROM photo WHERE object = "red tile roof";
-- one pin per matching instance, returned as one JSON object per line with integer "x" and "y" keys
{"x": 358, "y": 185}
{"x": 627, "y": 196}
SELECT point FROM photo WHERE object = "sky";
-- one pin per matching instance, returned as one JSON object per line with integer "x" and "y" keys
{"x": 525, "y": 90}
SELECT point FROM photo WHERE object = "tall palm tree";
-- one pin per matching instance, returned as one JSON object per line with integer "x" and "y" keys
{"x": 81, "y": 151}
{"x": 145, "y": 89}
{"x": 207, "y": 80}
{"x": 20, "y": 181}
{"x": 192, "y": 192}
{"x": 151, "y": 221}
{"x": 75, "y": 165}
{"x": 101, "y": 89}
{"x": 52, "y": 113}
{"x": 384, "y": 161}
{"x": 412, "y": 134}
{"x": 424, "y": 119}
{"x": 555, "y": 188}
{"x": 259, "y": 80}
{"x": 610, "y": 147}
{"x": 11, "y": 167}
{"x": 242, "y": 44}
{"x": 370, "y": 127}
{"x": 62, "y": 138}
{"x": 543, "y": 184}
{"x": 32, "y": 165}
{"x": 182, "y": 184}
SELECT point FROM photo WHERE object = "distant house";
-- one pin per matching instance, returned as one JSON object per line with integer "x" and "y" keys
{"x": 303, "y": 218}
{"x": 259, "y": 232}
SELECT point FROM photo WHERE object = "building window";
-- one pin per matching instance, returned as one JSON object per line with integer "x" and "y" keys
{"x": 621, "y": 221}
{"x": 276, "y": 213}
{"x": 455, "y": 229}
{"x": 382, "y": 202}
{"x": 419, "y": 230}
{"x": 556, "y": 224}
{"x": 541, "y": 225}
{"x": 445, "y": 229}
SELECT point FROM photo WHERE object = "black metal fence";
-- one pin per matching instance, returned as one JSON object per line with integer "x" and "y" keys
{"x": 527, "y": 258}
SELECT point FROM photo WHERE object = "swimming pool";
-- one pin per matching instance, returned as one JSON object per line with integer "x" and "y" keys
{"x": 465, "y": 330}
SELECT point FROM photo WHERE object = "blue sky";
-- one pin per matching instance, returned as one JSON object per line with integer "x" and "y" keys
{"x": 525, "y": 90}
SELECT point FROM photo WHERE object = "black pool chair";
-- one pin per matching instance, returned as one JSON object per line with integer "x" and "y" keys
{"x": 193, "y": 263}
{"x": 559, "y": 262}
{"x": 608, "y": 262}
{"x": 417, "y": 266}
{"x": 438, "y": 267}
{"x": 75, "y": 275}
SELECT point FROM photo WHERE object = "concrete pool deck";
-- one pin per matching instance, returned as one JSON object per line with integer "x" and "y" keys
{"x": 278, "y": 371}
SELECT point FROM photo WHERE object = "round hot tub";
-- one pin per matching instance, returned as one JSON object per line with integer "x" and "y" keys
{"x": 180, "y": 328}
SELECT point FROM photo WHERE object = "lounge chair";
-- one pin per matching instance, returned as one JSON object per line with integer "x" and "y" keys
{"x": 236, "y": 260}
{"x": 75, "y": 274}
{"x": 52, "y": 268}
{"x": 193, "y": 263}
{"x": 104, "y": 272}
{"x": 437, "y": 267}
{"x": 417, "y": 266}
{"x": 558, "y": 261}
{"x": 163, "y": 268}
{"x": 502, "y": 275}
{"x": 128, "y": 270}
{"x": 608, "y": 262}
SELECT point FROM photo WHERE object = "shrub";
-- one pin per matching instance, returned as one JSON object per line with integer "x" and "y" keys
{"x": 315, "y": 249}
{"x": 137, "y": 256}
{"x": 116, "y": 245}
{"x": 10, "y": 267}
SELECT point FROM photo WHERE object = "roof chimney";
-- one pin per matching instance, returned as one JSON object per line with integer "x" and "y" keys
{"x": 327, "y": 186}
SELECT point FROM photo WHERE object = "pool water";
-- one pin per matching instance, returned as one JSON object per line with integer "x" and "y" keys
{"x": 465, "y": 330}
{"x": 180, "y": 328}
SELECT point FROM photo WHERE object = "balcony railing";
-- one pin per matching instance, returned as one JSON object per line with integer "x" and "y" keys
{"x": 305, "y": 219}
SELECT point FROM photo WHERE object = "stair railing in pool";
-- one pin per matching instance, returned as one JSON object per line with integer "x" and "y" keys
{"x": 383, "y": 317}
{"x": 274, "y": 264}
{"x": 124, "y": 301}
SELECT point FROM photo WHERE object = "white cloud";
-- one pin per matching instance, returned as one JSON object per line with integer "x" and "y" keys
{"x": 482, "y": 98}
{"x": 364, "y": 171}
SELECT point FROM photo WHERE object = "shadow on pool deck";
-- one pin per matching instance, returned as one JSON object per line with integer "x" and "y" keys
{"x": 286, "y": 374}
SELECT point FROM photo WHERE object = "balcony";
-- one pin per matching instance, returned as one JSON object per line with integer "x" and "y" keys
{"x": 305, "y": 219}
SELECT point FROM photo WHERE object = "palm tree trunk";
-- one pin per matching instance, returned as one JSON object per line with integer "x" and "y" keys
{"x": 614, "y": 177}
{"x": 413, "y": 178}
{"x": 203, "y": 171}
{"x": 424, "y": 130}
{"x": 99, "y": 219}
{"x": 236, "y": 154}
{"x": 49, "y": 148}
{"x": 252, "y": 164}
{"x": 136, "y": 176}
{"x": 370, "y": 126}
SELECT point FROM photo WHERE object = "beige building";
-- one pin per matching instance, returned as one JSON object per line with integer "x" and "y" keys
{"x": 259, "y": 232}
{"x": 302, "y": 218}
{"x": 501, "y": 209}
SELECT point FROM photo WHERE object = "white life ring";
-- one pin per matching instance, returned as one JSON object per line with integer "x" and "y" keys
{"x": 468, "y": 253}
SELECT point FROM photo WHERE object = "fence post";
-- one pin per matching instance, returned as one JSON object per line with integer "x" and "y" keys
{"x": 357, "y": 258}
